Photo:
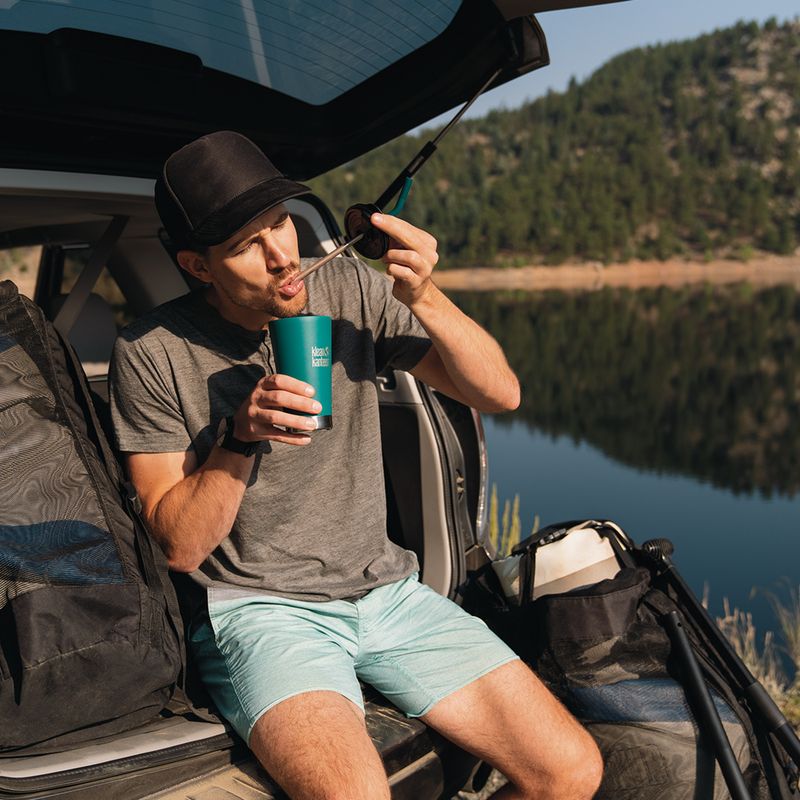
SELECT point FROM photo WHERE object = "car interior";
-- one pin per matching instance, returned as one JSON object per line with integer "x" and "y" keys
{"x": 101, "y": 92}
{"x": 433, "y": 456}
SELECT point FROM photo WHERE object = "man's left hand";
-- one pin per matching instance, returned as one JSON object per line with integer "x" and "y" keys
{"x": 410, "y": 259}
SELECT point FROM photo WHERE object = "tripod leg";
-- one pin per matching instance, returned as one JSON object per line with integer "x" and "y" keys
{"x": 758, "y": 699}
{"x": 705, "y": 711}
{"x": 761, "y": 704}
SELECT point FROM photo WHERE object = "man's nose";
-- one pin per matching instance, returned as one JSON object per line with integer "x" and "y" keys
{"x": 277, "y": 257}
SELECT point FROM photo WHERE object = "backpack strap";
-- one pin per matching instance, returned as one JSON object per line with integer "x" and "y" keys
{"x": 527, "y": 574}
{"x": 128, "y": 493}
{"x": 614, "y": 534}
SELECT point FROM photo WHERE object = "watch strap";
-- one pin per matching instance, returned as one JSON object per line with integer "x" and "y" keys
{"x": 230, "y": 442}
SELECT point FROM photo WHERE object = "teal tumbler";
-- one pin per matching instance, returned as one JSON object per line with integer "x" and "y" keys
{"x": 302, "y": 349}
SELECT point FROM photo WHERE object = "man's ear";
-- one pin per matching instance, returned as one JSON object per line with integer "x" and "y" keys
{"x": 195, "y": 264}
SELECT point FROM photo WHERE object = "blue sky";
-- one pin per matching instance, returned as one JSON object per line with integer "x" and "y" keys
{"x": 582, "y": 39}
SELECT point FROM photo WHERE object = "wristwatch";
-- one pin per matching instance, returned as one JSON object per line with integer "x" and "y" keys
{"x": 230, "y": 442}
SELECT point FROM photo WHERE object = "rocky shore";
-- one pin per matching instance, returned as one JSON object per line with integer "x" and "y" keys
{"x": 763, "y": 271}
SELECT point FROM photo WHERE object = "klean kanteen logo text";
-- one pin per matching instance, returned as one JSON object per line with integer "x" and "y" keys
{"x": 320, "y": 356}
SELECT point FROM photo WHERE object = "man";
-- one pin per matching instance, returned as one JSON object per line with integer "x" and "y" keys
{"x": 284, "y": 533}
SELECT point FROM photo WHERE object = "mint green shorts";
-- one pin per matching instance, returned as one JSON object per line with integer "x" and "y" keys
{"x": 413, "y": 645}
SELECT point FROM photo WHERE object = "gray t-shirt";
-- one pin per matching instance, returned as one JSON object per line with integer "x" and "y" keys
{"x": 312, "y": 524}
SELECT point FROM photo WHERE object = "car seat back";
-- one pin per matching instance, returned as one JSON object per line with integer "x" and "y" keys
{"x": 93, "y": 334}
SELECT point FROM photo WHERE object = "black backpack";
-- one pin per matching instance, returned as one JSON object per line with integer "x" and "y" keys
{"x": 601, "y": 643}
{"x": 90, "y": 636}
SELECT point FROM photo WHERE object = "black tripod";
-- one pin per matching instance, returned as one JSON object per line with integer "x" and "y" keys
{"x": 658, "y": 552}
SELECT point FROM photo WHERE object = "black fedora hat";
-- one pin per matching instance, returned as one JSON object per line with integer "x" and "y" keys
{"x": 215, "y": 185}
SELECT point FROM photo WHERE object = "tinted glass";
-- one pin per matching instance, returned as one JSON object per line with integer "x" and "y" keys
{"x": 313, "y": 50}
{"x": 21, "y": 265}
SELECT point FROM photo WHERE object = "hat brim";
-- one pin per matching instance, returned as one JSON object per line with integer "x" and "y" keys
{"x": 242, "y": 210}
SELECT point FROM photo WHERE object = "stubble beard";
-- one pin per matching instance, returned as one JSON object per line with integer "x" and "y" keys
{"x": 270, "y": 303}
{"x": 276, "y": 306}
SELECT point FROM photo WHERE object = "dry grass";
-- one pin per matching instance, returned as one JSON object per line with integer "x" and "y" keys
{"x": 764, "y": 663}
{"x": 506, "y": 532}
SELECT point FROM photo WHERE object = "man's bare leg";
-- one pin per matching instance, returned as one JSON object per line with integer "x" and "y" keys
{"x": 509, "y": 719}
{"x": 316, "y": 746}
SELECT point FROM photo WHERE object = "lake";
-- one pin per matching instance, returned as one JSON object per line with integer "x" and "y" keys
{"x": 675, "y": 413}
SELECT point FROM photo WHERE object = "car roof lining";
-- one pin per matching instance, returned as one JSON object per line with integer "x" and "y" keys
{"x": 27, "y": 220}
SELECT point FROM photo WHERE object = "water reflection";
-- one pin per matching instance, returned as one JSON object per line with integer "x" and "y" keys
{"x": 699, "y": 382}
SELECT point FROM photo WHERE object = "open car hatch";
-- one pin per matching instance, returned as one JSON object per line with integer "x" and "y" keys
{"x": 115, "y": 87}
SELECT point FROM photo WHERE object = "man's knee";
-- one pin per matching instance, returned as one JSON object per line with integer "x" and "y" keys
{"x": 575, "y": 774}
{"x": 581, "y": 773}
{"x": 591, "y": 768}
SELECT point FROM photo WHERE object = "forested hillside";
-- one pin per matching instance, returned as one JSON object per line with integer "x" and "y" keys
{"x": 691, "y": 148}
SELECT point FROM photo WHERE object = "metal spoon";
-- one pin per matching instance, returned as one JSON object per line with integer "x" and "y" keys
{"x": 325, "y": 259}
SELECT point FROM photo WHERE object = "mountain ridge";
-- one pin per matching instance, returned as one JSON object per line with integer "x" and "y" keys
{"x": 687, "y": 149}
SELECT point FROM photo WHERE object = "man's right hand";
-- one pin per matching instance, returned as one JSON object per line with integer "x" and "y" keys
{"x": 190, "y": 508}
{"x": 267, "y": 411}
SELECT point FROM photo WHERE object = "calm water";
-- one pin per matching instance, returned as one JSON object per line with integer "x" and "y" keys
{"x": 675, "y": 413}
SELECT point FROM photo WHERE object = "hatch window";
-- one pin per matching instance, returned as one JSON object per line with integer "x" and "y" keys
{"x": 312, "y": 50}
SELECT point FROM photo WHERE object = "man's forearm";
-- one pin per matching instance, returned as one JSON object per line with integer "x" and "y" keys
{"x": 196, "y": 514}
{"x": 474, "y": 361}
{"x": 466, "y": 362}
